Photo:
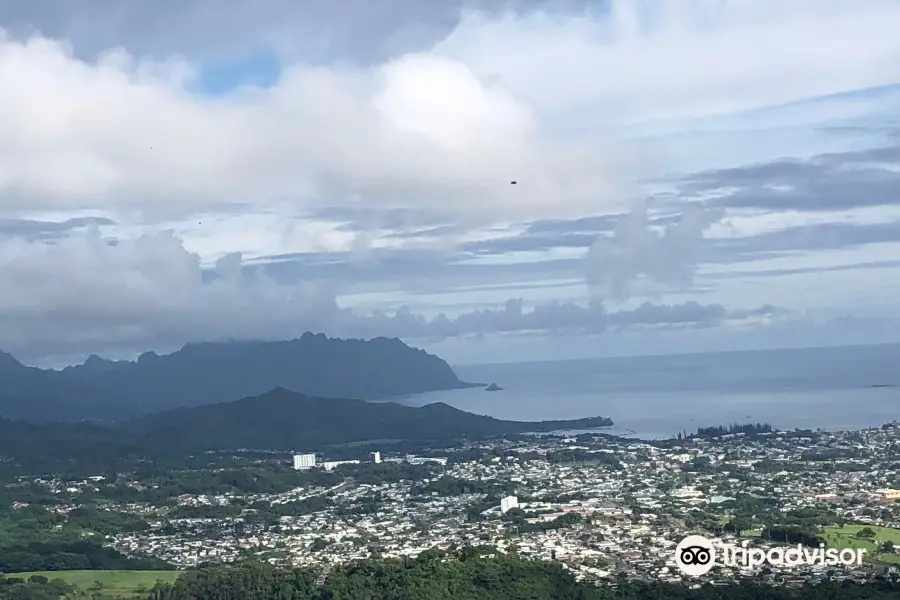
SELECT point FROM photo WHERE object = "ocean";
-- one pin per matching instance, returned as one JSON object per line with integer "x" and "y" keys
{"x": 651, "y": 397}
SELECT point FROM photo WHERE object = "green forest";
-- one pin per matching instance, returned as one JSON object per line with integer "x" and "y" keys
{"x": 466, "y": 575}
{"x": 34, "y": 538}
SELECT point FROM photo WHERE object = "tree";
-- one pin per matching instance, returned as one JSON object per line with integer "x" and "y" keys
{"x": 738, "y": 525}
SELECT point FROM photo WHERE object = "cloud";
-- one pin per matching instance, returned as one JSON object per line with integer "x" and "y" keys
{"x": 637, "y": 250}
{"x": 83, "y": 293}
{"x": 805, "y": 238}
{"x": 684, "y": 58}
{"x": 47, "y": 230}
{"x": 788, "y": 207}
{"x": 827, "y": 182}
{"x": 874, "y": 265}
{"x": 397, "y": 221}
{"x": 412, "y": 270}
{"x": 381, "y": 144}
{"x": 657, "y": 252}
{"x": 557, "y": 318}
{"x": 419, "y": 132}
{"x": 441, "y": 124}
{"x": 354, "y": 30}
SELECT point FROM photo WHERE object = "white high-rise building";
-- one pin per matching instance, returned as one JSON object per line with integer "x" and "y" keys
{"x": 375, "y": 457}
{"x": 508, "y": 503}
{"x": 304, "y": 461}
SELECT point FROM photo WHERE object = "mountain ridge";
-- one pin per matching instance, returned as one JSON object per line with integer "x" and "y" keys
{"x": 283, "y": 419}
{"x": 279, "y": 420}
{"x": 214, "y": 372}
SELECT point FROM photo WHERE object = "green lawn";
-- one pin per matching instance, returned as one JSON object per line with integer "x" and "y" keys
{"x": 755, "y": 532}
{"x": 845, "y": 537}
{"x": 115, "y": 583}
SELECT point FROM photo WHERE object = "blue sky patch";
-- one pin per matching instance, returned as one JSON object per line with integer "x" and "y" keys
{"x": 259, "y": 68}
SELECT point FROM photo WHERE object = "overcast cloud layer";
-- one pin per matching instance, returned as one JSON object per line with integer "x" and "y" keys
{"x": 690, "y": 165}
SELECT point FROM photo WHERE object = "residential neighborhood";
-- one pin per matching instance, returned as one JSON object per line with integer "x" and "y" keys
{"x": 602, "y": 505}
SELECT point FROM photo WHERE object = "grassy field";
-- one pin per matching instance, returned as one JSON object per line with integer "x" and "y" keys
{"x": 756, "y": 532}
{"x": 115, "y": 583}
{"x": 845, "y": 537}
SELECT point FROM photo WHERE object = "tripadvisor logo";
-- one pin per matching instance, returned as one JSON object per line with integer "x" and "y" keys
{"x": 695, "y": 555}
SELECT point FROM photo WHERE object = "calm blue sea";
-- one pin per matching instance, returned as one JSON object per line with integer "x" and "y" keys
{"x": 659, "y": 396}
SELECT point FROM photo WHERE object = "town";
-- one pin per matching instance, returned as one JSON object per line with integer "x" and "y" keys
{"x": 603, "y": 506}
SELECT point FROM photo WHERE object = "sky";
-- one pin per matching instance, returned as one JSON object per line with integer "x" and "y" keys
{"x": 491, "y": 181}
